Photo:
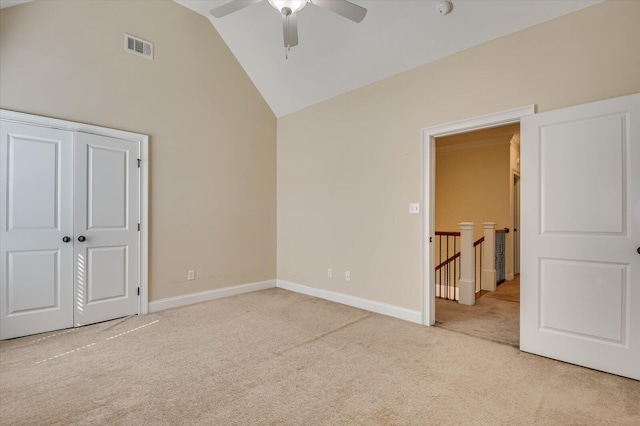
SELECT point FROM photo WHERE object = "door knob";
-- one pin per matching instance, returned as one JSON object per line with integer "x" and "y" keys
{"x": 81, "y": 238}
{"x": 638, "y": 250}
{"x": 66, "y": 239}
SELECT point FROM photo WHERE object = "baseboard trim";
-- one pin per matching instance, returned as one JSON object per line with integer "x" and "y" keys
{"x": 356, "y": 302}
{"x": 203, "y": 296}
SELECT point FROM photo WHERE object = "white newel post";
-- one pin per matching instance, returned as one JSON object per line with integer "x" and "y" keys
{"x": 489, "y": 257}
{"x": 467, "y": 283}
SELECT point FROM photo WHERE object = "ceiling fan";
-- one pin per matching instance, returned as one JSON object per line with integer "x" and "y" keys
{"x": 289, "y": 8}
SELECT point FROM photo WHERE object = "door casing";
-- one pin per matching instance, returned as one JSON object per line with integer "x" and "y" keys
{"x": 429, "y": 136}
{"x": 143, "y": 140}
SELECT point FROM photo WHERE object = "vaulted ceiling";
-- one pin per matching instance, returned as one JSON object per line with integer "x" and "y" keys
{"x": 336, "y": 55}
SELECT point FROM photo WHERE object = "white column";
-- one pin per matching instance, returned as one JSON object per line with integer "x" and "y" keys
{"x": 467, "y": 283}
{"x": 489, "y": 257}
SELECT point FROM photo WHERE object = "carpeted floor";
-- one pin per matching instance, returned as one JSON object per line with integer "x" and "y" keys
{"x": 508, "y": 290}
{"x": 495, "y": 316}
{"x": 277, "y": 357}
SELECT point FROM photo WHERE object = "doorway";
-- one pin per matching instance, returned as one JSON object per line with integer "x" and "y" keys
{"x": 474, "y": 174}
{"x": 580, "y": 231}
{"x": 429, "y": 136}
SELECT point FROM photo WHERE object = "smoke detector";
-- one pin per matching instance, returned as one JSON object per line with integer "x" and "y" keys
{"x": 444, "y": 7}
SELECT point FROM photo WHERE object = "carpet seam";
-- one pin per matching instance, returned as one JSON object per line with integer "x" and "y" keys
{"x": 501, "y": 342}
{"x": 342, "y": 327}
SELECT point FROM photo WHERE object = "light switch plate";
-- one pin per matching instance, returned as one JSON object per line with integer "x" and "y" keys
{"x": 414, "y": 208}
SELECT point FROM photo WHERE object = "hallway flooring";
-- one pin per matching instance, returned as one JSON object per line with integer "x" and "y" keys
{"x": 495, "y": 316}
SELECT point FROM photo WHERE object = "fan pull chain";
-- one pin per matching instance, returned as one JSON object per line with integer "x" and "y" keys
{"x": 286, "y": 32}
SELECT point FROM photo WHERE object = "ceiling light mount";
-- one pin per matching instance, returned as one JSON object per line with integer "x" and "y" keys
{"x": 291, "y": 6}
{"x": 444, "y": 7}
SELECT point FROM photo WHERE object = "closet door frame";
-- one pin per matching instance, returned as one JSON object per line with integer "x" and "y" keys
{"x": 143, "y": 141}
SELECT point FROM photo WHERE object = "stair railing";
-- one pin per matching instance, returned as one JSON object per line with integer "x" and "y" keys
{"x": 448, "y": 269}
{"x": 449, "y": 257}
{"x": 477, "y": 253}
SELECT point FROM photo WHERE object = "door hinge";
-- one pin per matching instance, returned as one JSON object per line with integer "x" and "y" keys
{"x": 430, "y": 239}
{"x": 139, "y": 161}
{"x": 138, "y": 227}
{"x": 138, "y": 291}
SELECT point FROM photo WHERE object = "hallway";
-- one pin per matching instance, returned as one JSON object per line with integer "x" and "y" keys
{"x": 495, "y": 316}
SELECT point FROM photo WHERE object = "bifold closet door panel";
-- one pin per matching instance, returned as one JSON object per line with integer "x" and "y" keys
{"x": 36, "y": 229}
{"x": 106, "y": 228}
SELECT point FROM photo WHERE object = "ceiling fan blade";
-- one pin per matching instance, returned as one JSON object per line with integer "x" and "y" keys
{"x": 290, "y": 29}
{"x": 343, "y": 8}
{"x": 232, "y": 6}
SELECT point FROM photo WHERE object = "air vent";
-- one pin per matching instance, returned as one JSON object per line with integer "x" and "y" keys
{"x": 138, "y": 46}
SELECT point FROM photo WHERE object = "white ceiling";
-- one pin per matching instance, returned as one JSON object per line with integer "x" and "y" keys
{"x": 336, "y": 55}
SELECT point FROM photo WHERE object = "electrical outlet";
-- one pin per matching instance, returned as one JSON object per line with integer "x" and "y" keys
{"x": 329, "y": 273}
{"x": 191, "y": 275}
{"x": 347, "y": 276}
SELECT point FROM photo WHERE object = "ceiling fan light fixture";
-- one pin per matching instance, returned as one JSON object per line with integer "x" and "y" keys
{"x": 292, "y": 5}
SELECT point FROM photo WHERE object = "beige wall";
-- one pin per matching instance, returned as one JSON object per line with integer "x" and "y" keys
{"x": 472, "y": 185}
{"x": 349, "y": 167}
{"x": 213, "y": 138}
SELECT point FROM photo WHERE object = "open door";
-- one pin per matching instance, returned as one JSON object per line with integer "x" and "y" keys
{"x": 580, "y": 239}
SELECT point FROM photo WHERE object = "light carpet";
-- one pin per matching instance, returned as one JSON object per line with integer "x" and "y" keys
{"x": 508, "y": 290}
{"x": 495, "y": 315}
{"x": 277, "y": 357}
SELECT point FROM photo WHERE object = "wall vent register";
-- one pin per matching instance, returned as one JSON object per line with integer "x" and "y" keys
{"x": 138, "y": 46}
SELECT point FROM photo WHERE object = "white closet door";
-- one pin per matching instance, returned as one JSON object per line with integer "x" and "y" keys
{"x": 580, "y": 299}
{"x": 36, "y": 213}
{"x": 106, "y": 228}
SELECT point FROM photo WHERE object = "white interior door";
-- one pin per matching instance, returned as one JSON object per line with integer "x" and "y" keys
{"x": 580, "y": 263}
{"x": 106, "y": 228}
{"x": 36, "y": 213}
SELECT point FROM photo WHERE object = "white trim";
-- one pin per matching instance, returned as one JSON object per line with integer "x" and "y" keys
{"x": 203, "y": 296}
{"x": 515, "y": 142}
{"x": 143, "y": 141}
{"x": 356, "y": 302}
{"x": 501, "y": 118}
{"x": 143, "y": 307}
{"x": 429, "y": 135}
{"x": 72, "y": 126}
